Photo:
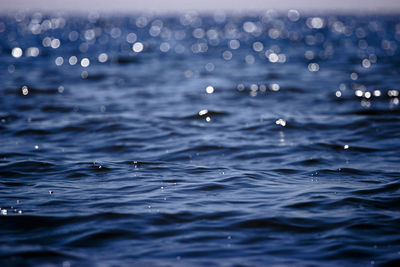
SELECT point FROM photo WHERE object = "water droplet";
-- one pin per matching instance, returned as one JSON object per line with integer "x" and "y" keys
{"x": 103, "y": 57}
{"x": 137, "y": 47}
{"x": 203, "y": 112}
{"x": 281, "y": 122}
{"x": 313, "y": 67}
{"x": 85, "y": 62}
{"x": 25, "y": 90}
{"x": 59, "y": 61}
{"x": 16, "y": 52}
{"x": 210, "y": 89}
{"x": 366, "y": 63}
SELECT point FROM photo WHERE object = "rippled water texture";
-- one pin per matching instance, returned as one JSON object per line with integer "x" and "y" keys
{"x": 217, "y": 140}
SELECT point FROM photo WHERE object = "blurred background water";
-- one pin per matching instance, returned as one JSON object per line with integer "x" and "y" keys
{"x": 219, "y": 139}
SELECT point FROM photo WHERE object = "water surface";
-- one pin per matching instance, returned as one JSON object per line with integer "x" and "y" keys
{"x": 266, "y": 139}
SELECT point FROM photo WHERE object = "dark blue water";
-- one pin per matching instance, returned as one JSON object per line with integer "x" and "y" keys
{"x": 265, "y": 139}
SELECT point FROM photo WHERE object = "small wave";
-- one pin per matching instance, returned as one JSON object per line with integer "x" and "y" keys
{"x": 28, "y": 166}
{"x": 205, "y": 113}
{"x": 33, "y": 91}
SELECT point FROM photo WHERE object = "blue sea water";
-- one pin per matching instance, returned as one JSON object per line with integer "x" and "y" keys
{"x": 259, "y": 139}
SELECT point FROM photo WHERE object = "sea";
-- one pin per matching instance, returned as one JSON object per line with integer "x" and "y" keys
{"x": 267, "y": 138}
